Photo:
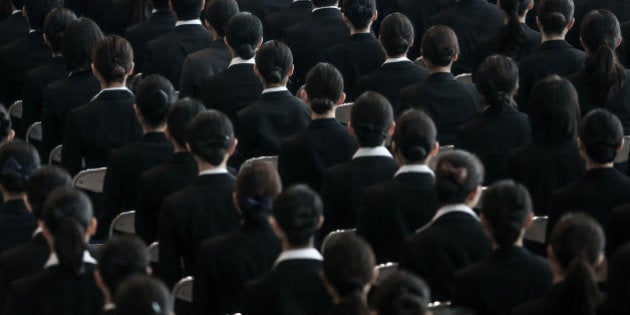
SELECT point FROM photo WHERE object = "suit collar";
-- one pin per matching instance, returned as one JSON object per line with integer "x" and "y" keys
{"x": 302, "y": 4}
{"x": 325, "y": 12}
{"x": 554, "y": 44}
{"x": 17, "y": 15}
{"x": 53, "y": 260}
{"x": 449, "y": 209}
{"x": 379, "y": 151}
{"x": 361, "y": 37}
{"x": 153, "y": 137}
{"x": 324, "y": 123}
{"x": 110, "y": 93}
{"x": 305, "y": 253}
{"x": 605, "y": 173}
{"x": 276, "y": 95}
{"x": 214, "y": 178}
{"x": 162, "y": 13}
{"x": 510, "y": 251}
{"x": 415, "y": 168}
{"x": 398, "y": 65}
{"x": 441, "y": 76}
{"x": 14, "y": 206}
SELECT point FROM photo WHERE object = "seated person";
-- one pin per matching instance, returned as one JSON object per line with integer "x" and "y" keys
{"x": 616, "y": 301}
{"x": 277, "y": 22}
{"x": 143, "y": 295}
{"x": 618, "y": 233}
{"x": 14, "y": 26}
{"x": 402, "y": 293}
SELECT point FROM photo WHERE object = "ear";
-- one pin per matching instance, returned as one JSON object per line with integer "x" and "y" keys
{"x": 620, "y": 145}
{"x": 351, "y": 130}
{"x": 456, "y": 57}
{"x": 290, "y": 73}
{"x": 391, "y": 129}
{"x": 11, "y": 135}
{"x": 435, "y": 151}
{"x": 257, "y": 72}
{"x": 570, "y": 25}
{"x": 375, "y": 16}
{"x": 276, "y": 228}
{"x": 619, "y": 41}
{"x": 188, "y": 147}
{"x": 260, "y": 41}
{"x": 130, "y": 71}
{"x": 473, "y": 197}
{"x": 530, "y": 6}
{"x": 341, "y": 99}
{"x": 375, "y": 276}
{"x": 303, "y": 95}
{"x": 321, "y": 222}
{"x": 529, "y": 221}
{"x": 92, "y": 228}
{"x": 232, "y": 148}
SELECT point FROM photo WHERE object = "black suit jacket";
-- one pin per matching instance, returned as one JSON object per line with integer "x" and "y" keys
{"x": 276, "y": 23}
{"x": 492, "y": 136}
{"x": 226, "y": 263}
{"x": 623, "y": 51}
{"x": 166, "y": 54}
{"x": 621, "y": 9}
{"x": 552, "y": 303}
{"x": 16, "y": 224}
{"x": 160, "y": 22}
{"x": 618, "y": 233}
{"x": 198, "y": 211}
{"x": 13, "y": 28}
{"x": 392, "y": 210}
{"x": 202, "y": 64}
{"x": 509, "y": 278}
{"x": 390, "y": 78}
{"x": 450, "y": 243}
{"x": 291, "y": 287}
{"x": 94, "y": 129}
{"x": 449, "y": 102}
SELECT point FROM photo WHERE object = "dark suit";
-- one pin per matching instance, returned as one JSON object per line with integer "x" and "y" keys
{"x": 552, "y": 303}
{"x": 449, "y": 102}
{"x": 226, "y": 263}
{"x": 16, "y": 224}
{"x": 623, "y": 51}
{"x": 618, "y": 233}
{"x": 390, "y": 78}
{"x": 198, "y": 211}
{"x": 160, "y": 22}
{"x": 394, "y": 209}
{"x": 509, "y": 278}
{"x": 166, "y": 54}
{"x": 13, "y": 28}
{"x": 276, "y": 23}
{"x": 202, "y": 64}
{"x": 621, "y": 9}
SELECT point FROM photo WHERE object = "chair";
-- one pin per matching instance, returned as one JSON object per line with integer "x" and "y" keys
{"x": 15, "y": 110}
{"x": 123, "y": 223}
{"x": 440, "y": 307}
{"x": 342, "y": 113}
{"x": 334, "y": 234}
{"x": 90, "y": 179}
{"x": 384, "y": 271}
{"x": 154, "y": 252}
{"x": 272, "y": 160}
{"x": 446, "y": 148}
{"x": 464, "y": 77}
{"x": 34, "y": 132}
{"x": 183, "y": 290}
{"x": 54, "y": 157}
{"x": 622, "y": 156}
{"x": 538, "y": 231}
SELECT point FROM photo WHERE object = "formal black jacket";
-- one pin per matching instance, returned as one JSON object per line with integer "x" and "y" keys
{"x": 202, "y": 64}
{"x": 94, "y": 129}
{"x": 226, "y": 263}
{"x": 292, "y": 287}
{"x": 544, "y": 168}
{"x": 198, "y": 211}
{"x": 492, "y": 136}
{"x": 449, "y": 102}
{"x": 358, "y": 55}
{"x": 621, "y": 9}
{"x": 450, "y": 243}
{"x": 276, "y": 23}
{"x": 125, "y": 166}
{"x": 509, "y": 278}
{"x": 552, "y": 303}
{"x": 160, "y": 23}
{"x": 390, "y": 78}
{"x": 166, "y": 54}
{"x": 155, "y": 185}
{"x": 618, "y": 233}
{"x": 623, "y": 51}
{"x": 304, "y": 157}
{"x": 17, "y": 224}
{"x": 13, "y": 28}
{"x": 392, "y": 210}
{"x": 552, "y": 57}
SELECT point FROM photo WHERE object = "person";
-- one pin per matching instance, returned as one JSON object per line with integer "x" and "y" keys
{"x": 293, "y": 286}
{"x": 576, "y": 252}
{"x": 6, "y": 132}
{"x": 454, "y": 239}
{"x": 204, "y": 208}
{"x": 582, "y": 8}
{"x": 402, "y": 293}
{"x": 227, "y": 262}
{"x": 502, "y": 127}
{"x": 66, "y": 284}
{"x": 276, "y": 23}
{"x": 278, "y": 114}
{"x": 371, "y": 121}
{"x": 396, "y": 208}
{"x": 304, "y": 157}
{"x": 552, "y": 160}
{"x": 14, "y": 27}
{"x": 512, "y": 275}
{"x": 450, "y": 103}
{"x": 616, "y": 301}
{"x": 181, "y": 170}
{"x": 88, "y": 133}
{"x": 143, "y": 295}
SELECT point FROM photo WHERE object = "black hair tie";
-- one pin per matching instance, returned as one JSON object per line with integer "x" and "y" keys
{"x": 218, "y": 140}
{"x": 371, "y": 128}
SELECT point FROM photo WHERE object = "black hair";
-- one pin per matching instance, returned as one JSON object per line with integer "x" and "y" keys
{"x": 5, "y": 124}
{"x": 618, "y": 285}
{"x": 512, "y": 40}
{"x": 273, "y": 61}
{"x": 324, "y": 87}
{"x": 601, "y": 134}
{"x": 396, "y": 33}
{"x": 402, "y": 293}
{"x": 143, "y": 295}
{"x": 18, "y": 161}
{"x": 18, "y": 4}
{"x": 600, "y": 33}
{"x": 554, "y": 110}
{"x": 324, "y": 3}
{"x": 359, "y": 12}
{"x": 256, "y": 187}
{"x": 36, "y": 11}
{"x": 187, "y": 9}
{"x": 42, "y": 183}
{"x": 297, "y": 210}
{"x": 179, "y": 117}
{"x": 219, "y": 12}
{"x": 67, "y": 215}
{"x": 154, "y": 96}
{"x": 458, "y": 173}
{"x": 243, "y": 33}
{"x": 113, "y": 58}
{"x": 121, "y": 257}
{"x": 555, "y": 15}
{"x": 210, "y": 136}
{"x": 414, "y": 135}
{"x": 371, "y": 117}
{"x": 80, "y": 37}
{"x": 55, "y": 24}
{"x": 439, "y": 45}
{"x": 505, "y": 206}
{"x": 160, "y": 4}
{"x": 496, "y": 80}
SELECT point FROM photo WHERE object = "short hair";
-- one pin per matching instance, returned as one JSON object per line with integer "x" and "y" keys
{"x": 113, "y": 58}
{"x": 297, "y": 210}
{"x": 601, "y": 133}
{"x": 324, "y": 87}
{"x": 210, "y": 136}
{"x": 402, "y": 293}
{"x": 5, "y": 124}
{"x": 359, "y": 12}
{"x": 458, "y": 173}
{"x": 256, "y": 188}
{"x": 160, "y": 4}
{"x": 243, "y": 33}
{"x": 55, "y": 24}
{"x": 219, "y": 12}
{"x": 505, "y": 206}
{"x": 397, "y": 34}
{"x": 79, "y": 39}
{"x": 42, "y": 183}
{"x": 154, "y": 96}
{"x": 180, "y": 116}
{"x": 18, "y": 4}
{"x": 439, "y": 45}
{"x": 324, "y": 3}
{"x": 187, "y": 9}
{"x": 36, "y": 11}
{"x": 496, "y": 80}
{"x": 555, "y": 15}
{"x": 18, "y": 161}
{"x": 121, "y": 257}
{"x": 143, "y": 295}
{"x": 371, "y": 117}
{"x": 273, "y": 61}
{"x": 554, "y": 110}
{"x": 414, "y": 135}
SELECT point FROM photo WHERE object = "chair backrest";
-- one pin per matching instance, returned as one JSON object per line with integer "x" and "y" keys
{"x": 384, "y": 271}
{"x": 342, "y": 113}
{"x": 622, "y": 155}
{"x": 34, "y": 132}
{"x": 446, "y": 148}
{"x": 123, "y": 223}
{"x": 183, "y": 290}
{"x": 440, "y": 307}
{"x": 334, "y": 234}
{"x": 272, "y": 160}
{"x": 154, "y": 252}
{"x": 54, "y": 157}
{"x": 538, "y": 231}
{"x": 15, "y": 110}
{"x": 464, "y": 77}
{"x": 90, "y": 179}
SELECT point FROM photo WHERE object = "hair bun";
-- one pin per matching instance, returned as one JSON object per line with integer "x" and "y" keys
{"x": 215, "y": 141}
{"x": 321, "y": 105}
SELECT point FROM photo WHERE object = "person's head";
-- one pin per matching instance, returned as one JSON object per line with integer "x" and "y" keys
{"x": 439, "y": 46}
{"x": 17, "y": 4}
{"x": 154, "y": 96}
{"x": 297, "y": 215}
{"x": 54, "y": 26}
{"x": 371, "y": 119}
{"x": 324, "y": 3}
{"x": 396, "y": 34}
{"x": 186, "y": 9}
{"x": 618, "y": 285}
{"x": 79, "y": 39}
{"x": 600, "y": 136}
{"x": 219, "y": 12}
{"x": 243, "y": 34}
{"x": 42, "y": 183}
{"x": 515, "y": 36}
{"x": 6, "y": 133}
{"x": 256, "y": 188}
{"x": 402, "y": 293}
{"x": 555, "y": 17}
{"x": 497, "y": 81}
{"x": 112, "y": 59}
{"x": 120, "y": 258}
{"x": 36, "y": 11}
{"x": 179, "y": 117}
{"x": 160, "y": 4}
{"x": 274, "y": 63}
{"x": 554, "y": 110}
{"x": 359, "y": 14}
{"x": 18, "y": 161}
{"x": 458, "y": 178}
{"x": 414, "y": 139}
{"x": 210, "y": 137}
{"x": 506, "y": 212}
{"x": 143, "y": 295}
{"x": 324, "y": 88}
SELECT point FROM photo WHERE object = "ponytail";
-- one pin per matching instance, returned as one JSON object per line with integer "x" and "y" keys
{"x": 496, "y": 80}
{"x": 69, "y": 246}
{"x": 515, "y": 36}
{"x": 352, "y": 303}
{"x": 580, "y": 294}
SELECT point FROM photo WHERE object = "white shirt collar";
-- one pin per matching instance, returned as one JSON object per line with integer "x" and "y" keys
{"x": 214, "y": 171}
{"x": 449, "y": 209}
{"x": 399, "y": 59}
{"x": 375, "y": 151}
{"x": 54, "y": 261}
{"x": 38, "y": 230}
{"x": 300, "y": 0}
{"x": 276, "y": 89}
{"x": 239, "y": 60}
{"x": 327, "y": 7}
{"x": 16, "y": 11}
{"x": 123, "y": 88}
{"x": 109, "y": 307}
{"x": 188, "y": 22}
{"x": 304, "y": 253}
{"x": 415, "y": 168}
